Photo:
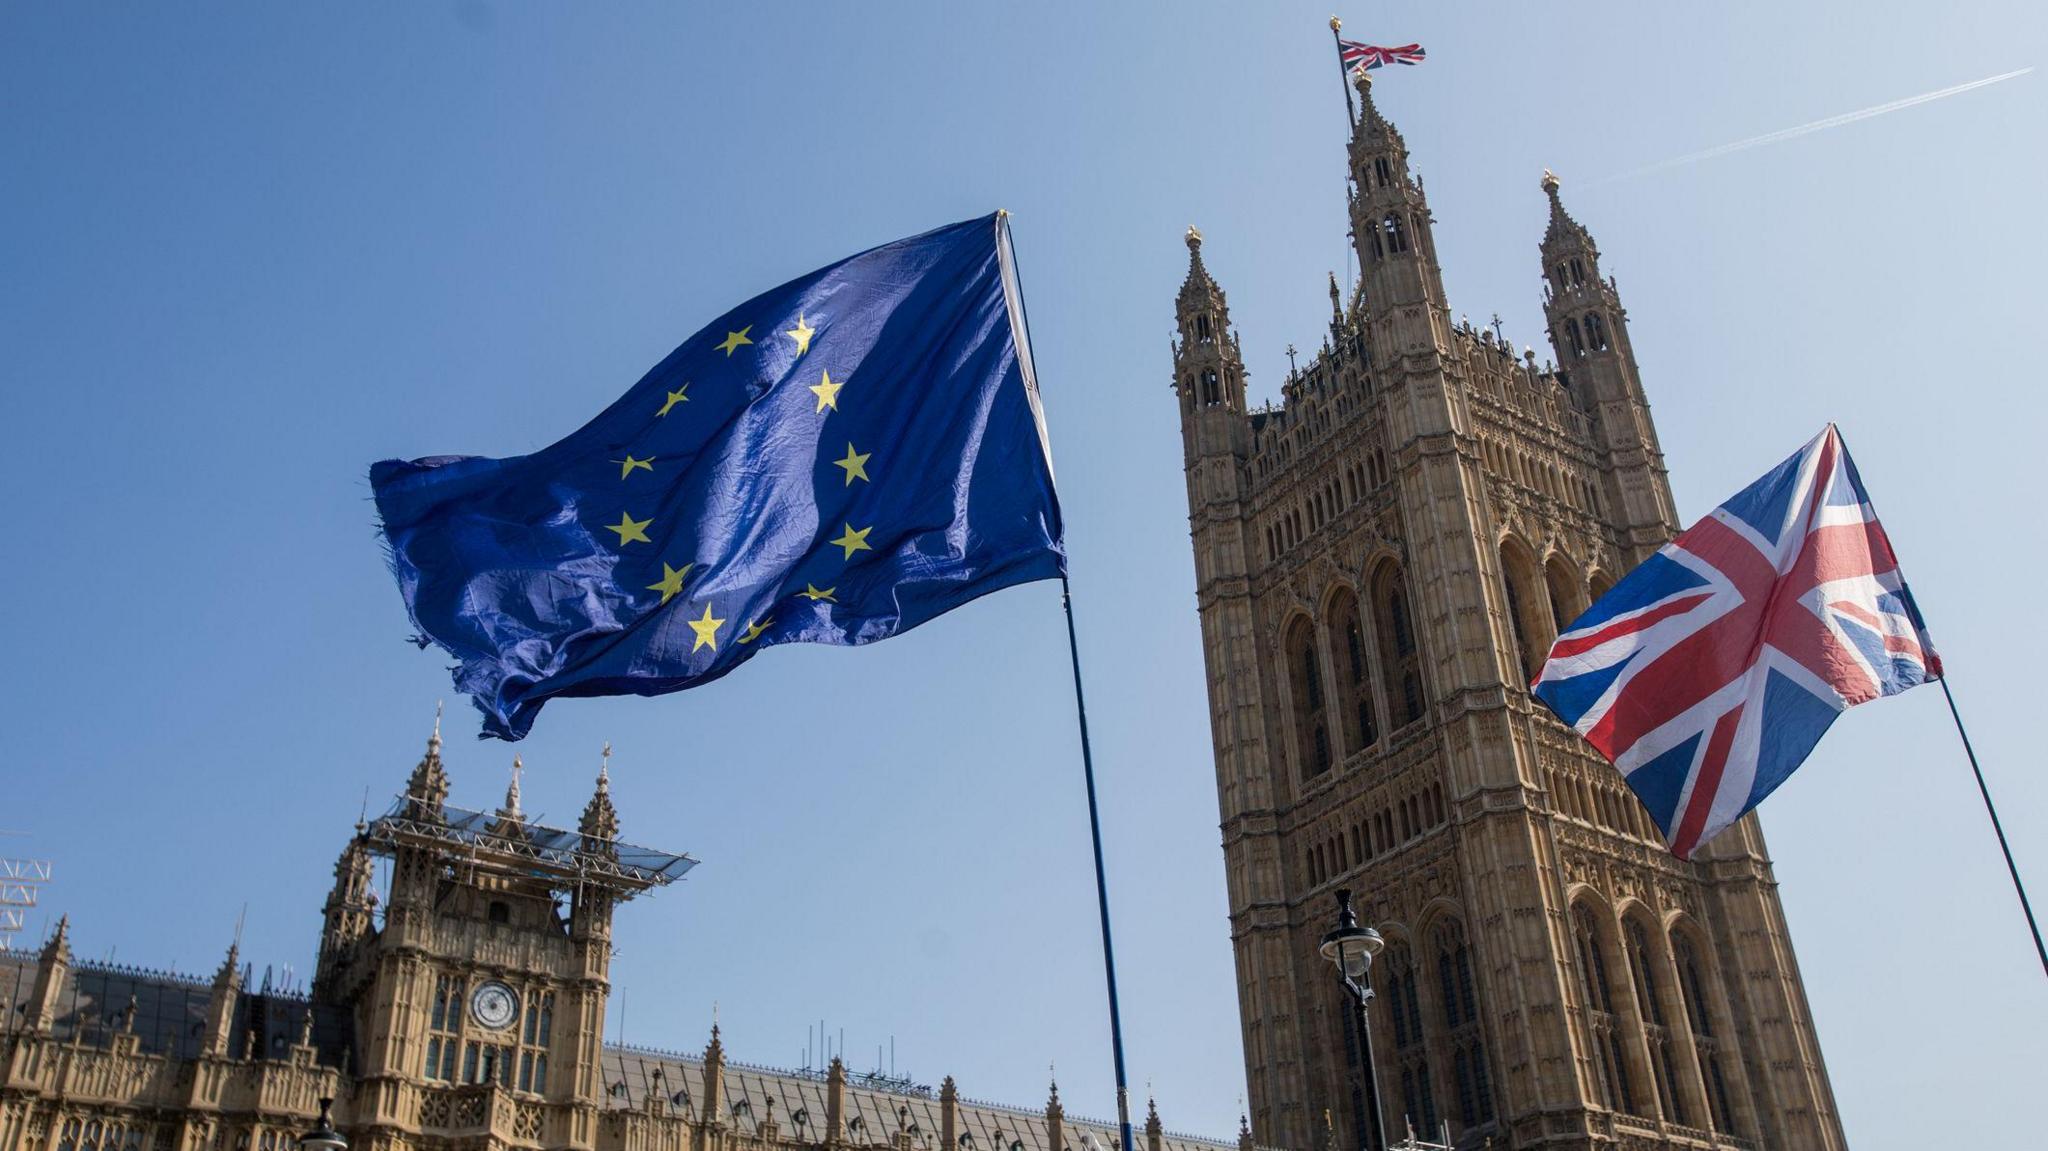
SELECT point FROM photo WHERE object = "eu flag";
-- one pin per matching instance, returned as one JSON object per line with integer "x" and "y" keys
{"x": 834, "y": 461}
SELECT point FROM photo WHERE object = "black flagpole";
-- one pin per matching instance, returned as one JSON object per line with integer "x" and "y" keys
{"x": 1343, "y": 74}
{"x": 1116, "y": 1026}
{"x": 2003, "y": 846}
{"x": 1116, "y": 1022}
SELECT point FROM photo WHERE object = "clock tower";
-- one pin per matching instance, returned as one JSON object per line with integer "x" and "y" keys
{"x": 477, "y": 1008}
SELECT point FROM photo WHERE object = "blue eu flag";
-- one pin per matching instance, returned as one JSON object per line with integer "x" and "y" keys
{"x": 834, "y": 461}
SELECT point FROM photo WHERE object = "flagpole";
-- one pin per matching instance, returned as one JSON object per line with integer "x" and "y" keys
{"x": 2011, "y": 868}
{"x": 1343, "y": 76}
{"x": 1116, "y": 1026}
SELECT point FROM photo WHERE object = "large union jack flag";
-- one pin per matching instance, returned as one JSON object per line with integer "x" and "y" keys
{"x": 1710, "y": 671}
{"x": 1370, "y": 56}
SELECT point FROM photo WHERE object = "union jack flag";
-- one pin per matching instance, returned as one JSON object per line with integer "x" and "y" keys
{"x": 1370, "y": 56}
{"x": 1711, "y": 670}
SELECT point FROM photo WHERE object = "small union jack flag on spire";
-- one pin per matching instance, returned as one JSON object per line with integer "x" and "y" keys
{"x": 1711, "y": 670}
{"x": 1370, "y": 56}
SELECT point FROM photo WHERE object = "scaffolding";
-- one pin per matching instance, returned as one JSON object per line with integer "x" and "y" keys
{"x": 21, "y": 883}
{"x": 567, "y": 859}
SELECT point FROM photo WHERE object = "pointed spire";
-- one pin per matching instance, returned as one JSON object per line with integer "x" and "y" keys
{"x": 510, "y": 813}
{"x": 1563, "y": 231}
{"x": 58, "y": 948}
{"x": 1199, "y": 282}
{"x": 229, "y": 974}
{"x": 1153, "y": 1126}
{"x": 600, "y": 818}
{"x": 1336, "y": 303}
{"x": 427, "y": 790}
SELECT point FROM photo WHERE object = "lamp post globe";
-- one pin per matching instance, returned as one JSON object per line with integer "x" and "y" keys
{"x": 323, "y": 1136}
{"x": 1351, "y": 947}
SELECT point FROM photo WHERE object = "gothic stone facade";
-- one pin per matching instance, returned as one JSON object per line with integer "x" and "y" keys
{"x": 1381, "y": 564}
{"x": 461, "y": 1010}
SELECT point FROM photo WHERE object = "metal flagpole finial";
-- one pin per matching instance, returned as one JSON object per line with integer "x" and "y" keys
{"x": 1336, "y": 25}
{"x": 604, "y": 766}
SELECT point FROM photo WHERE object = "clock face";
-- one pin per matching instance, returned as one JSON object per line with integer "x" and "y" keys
{"x": 494, "y": 1005}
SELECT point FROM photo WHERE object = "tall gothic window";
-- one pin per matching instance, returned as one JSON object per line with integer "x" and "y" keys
{"x": 1212, "y": 392}
{"x": 1571, "y": 332}
{"x": 1312, "y": 730}
{"x": 1383, "y": 170}
{"x": 1397, "y": 234}
{"x": 1692, "y": 986}
{"x": 1354, "y": 678}
{"x": 1400, "y": 659}
{"x": 1564, "y": 592}
{"x": 1649, "y": 1003}
{"x": 1411, "y": 1054}
{"x": 537, "y": 1034}
{"x": 1603, "y": 1032}
{"x": 1530, "y": 630}
{"x": 1202, "y": 328}
{"x": 444, "y": 1024}
{"x": 1459, "y": 998}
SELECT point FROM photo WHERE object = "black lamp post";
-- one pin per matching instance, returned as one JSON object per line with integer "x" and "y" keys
{"x": 323, "y": 1136}
{"x": 1352, "y": 948}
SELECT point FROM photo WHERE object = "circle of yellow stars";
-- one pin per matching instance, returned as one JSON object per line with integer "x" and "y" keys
{"x": 854, "y": 463}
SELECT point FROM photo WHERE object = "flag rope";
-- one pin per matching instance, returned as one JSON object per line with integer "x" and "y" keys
{"x": 1116, "y": 1026}
{"x": 2010, "y": 867}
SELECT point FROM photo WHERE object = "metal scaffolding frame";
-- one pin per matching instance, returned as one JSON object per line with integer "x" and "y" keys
{"x": 569, "y": 858}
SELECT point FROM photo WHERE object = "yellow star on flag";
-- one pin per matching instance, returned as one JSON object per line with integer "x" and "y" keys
{"x": 812, "y": 593}
{"x": 854, "y": 541}
{"x": 827, "y": 393}
{"x": 671, "y": 581}
{"x": 734, "y": 339}
{"x": 627, "y": 465}
{"x": 679, "y": 396}
{"x": 707, "y": 630}
{"x": 754, "y": 630}
{"x": 855, "y": 463}
{"x": 631, "y": 530}
{"x": 802, "y": 334}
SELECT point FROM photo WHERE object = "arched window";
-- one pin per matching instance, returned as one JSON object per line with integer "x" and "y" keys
{"x": 1397, "y": 234}
{"x": 1311, "y": 727}
{"x": 1528, "y": 622}
{"x": 1202, "y": 328}
{"x": 1212, "y": 391}
{"x": 1599, "y": 330}
{"x": 1354, "y": 678}
{"x": 1605, "y": 1033}
{"x": 1564, "y": 593}
{"x": 1411, "y": 1054}
{"x": 1578, "y": 271}
{"x": 1383, "y": 170}
{"x": 1571, "y": 334}
{"x": 1642, "y": 964}
{"x": 1400, "y": 659}
{"x": 1598, "y": 586}
{"x": 1692, "y": 982}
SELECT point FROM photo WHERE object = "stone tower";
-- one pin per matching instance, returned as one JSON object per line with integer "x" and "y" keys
{"x": 1381, "y": 562}
{"x": 480, "y": 1005}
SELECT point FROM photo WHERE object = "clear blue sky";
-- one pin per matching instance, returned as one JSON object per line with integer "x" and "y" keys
{"x": 248, "y": 253}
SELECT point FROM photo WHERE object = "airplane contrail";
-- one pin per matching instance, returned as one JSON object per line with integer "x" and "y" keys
{"x": 1784, "y": 134}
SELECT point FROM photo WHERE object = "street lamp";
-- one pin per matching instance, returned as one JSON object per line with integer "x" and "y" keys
{"x": 1352, "y": 948}
{"x": 323, "y": 1136}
